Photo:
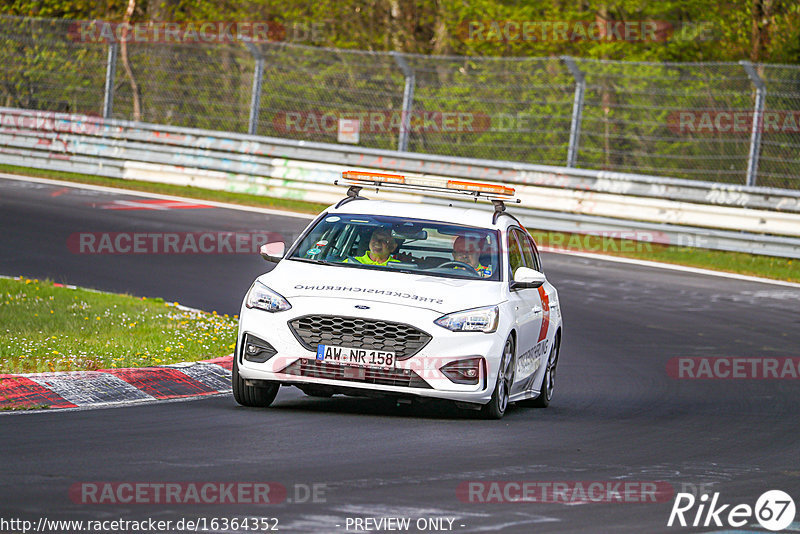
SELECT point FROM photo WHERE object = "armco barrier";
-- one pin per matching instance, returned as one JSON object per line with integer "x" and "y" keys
{"x": 688, "y": 213}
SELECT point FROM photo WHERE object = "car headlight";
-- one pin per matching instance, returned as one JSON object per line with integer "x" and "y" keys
{"x": 474, "y": 320}
{"x": 263, "y": 298}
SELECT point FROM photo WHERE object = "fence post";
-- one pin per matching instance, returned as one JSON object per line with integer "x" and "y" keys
{"x": 408, "y": 101}
{"x": 111, "y": 74}
{"x": 255, "y": 97}
{"x": 577, "y": 111}
{"x": 758, "y": 121}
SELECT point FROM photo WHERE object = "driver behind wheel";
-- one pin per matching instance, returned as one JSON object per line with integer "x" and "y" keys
{"x": 468, "y": 250}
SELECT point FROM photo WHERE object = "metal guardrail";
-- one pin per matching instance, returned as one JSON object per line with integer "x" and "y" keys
{"x": 664, "y": 210}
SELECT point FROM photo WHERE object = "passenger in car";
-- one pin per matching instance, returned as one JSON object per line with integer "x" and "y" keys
{"x": 381, "y": 246}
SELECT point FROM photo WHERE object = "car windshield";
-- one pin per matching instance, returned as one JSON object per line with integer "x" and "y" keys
{"x": 402, "y": 244}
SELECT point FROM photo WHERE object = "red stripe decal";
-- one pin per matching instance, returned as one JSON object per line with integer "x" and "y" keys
{"x": 546, "y": 317}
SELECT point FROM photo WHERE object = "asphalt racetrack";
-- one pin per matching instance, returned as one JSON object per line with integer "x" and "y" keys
{"x": 617, "y": 417}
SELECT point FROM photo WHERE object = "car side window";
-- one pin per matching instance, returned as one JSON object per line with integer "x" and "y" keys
{"x": 529, "y": 252}
{"x": 527, "y": 258}
{"x": 515, "y": 259}
{"x": 536, "y": 255}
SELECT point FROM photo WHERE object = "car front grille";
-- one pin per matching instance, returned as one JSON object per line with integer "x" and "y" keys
{"x": 386, "y": 377}
{"x": 402, "y": 339}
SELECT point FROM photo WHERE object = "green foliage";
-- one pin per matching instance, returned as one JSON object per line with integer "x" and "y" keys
{"x": 517, "y": 89}
{"x": 701, "y": 30}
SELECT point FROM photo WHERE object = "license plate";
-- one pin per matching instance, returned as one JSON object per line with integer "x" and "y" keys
{"x": 353, "y": 356}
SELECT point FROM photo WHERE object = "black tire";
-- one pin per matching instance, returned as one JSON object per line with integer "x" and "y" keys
{"x": 549, "y": 381}
{"x": 497, "y": 406}
{"x": 256, "y": 397}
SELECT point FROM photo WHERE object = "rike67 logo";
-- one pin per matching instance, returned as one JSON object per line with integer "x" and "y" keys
{"x": 774, "y": 510}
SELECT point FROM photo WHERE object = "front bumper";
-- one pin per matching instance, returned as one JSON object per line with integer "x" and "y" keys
{"x": 420, "y": 375}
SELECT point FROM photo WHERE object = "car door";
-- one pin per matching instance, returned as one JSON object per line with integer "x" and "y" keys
{"x": 528, "y": 310}
{"x": 546, "y": 291}
{"x": 549, "y": 299}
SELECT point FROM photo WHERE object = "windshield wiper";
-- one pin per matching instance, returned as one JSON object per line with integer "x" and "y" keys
{"x": 334, "y": 263}
{"x": 404, "y": 271}
{"x": 309, "y": 260}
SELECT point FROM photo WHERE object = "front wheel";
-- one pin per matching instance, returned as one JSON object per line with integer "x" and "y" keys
{"x": 549, "y": 381}
{"x": 496, "y": 407}
{"x": 257, "y": 397}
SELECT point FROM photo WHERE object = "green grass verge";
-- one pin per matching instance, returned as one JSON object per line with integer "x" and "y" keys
{"x": 44, "y": 327}
{"x": 719, "y": 260}
{"x": 733, "y": 262}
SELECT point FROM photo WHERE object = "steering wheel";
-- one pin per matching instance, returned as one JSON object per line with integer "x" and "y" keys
{"x": 456, "y": 264}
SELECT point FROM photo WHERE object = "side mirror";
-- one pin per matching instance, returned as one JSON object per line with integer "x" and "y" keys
{"x": 525, "y": 277}
{"x": 273, "y": 252}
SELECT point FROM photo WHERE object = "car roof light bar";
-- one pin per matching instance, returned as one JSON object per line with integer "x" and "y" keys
{"x": 428, "y": 184}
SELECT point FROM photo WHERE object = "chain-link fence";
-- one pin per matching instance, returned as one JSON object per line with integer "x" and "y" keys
{"x": 727, "y": 122}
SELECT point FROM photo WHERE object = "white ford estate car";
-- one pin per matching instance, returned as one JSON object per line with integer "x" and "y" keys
{"x": 409, "y": 300}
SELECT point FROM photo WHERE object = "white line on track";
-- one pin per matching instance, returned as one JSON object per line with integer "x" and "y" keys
{"x": 601, "y": 257}
{"x": 670, "y": 266}
{"x": 131, "y": 192}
